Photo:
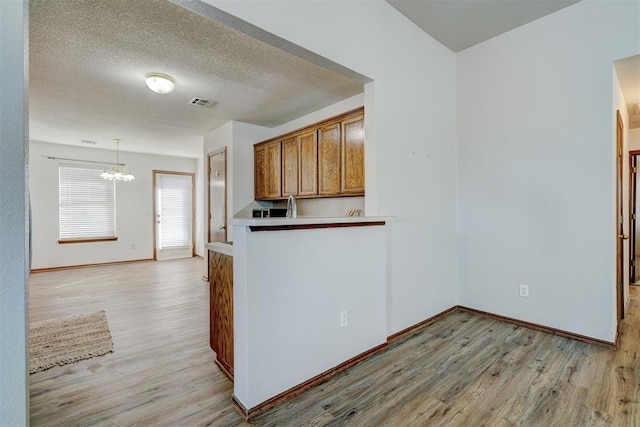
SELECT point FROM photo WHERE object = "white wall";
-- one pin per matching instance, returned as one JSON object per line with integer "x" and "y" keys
{"x": 14, "y": 395}
{"x": 244, "y": 136}
{"x": 634, "y": 139}
{"x": 536, "y": 168}
{"x": 412, "y": 140}
{"x": 620, "y": 105}
{"x": 134, "y": 206}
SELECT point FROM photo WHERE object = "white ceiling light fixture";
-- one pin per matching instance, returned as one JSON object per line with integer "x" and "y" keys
{"x": 117, "y": 172}
{"x": 160, "y": 83}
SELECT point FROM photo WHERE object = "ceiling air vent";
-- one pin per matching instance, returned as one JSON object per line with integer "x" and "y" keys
{"x": 201, "y": 102}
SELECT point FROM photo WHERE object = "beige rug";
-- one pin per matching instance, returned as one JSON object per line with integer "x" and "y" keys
{"x": 68, "y": 339}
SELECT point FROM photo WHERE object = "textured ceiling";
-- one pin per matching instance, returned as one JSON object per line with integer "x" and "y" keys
{"x": 88, "y": 60}
{"x": 459, "y": 24}
{"x": 628, "y": 71}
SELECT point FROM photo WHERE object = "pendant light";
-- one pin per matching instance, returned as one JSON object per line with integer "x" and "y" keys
{"x": 117, "y": 172}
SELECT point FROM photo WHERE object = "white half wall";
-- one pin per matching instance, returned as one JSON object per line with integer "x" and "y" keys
{"x": 536, "y": 167}
{"x": 288, "y": 304}
{"x": 413, "y": 135}
{"x": 134, "y": 206}
{"x": 14, "y": 263}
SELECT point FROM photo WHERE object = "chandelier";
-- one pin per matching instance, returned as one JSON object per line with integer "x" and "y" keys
{"x": 117, "y": 172}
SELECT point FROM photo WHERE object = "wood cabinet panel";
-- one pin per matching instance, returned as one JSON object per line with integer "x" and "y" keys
{"x": 308, "y": 148}
{"x": 329, "y": 159}
{"x": 274, "y": 177}
{"x": 260, "y": 171}
{"x": 290, "y": 168}
{"x": 221, "y": 310}
{"x": 353, "y": 155}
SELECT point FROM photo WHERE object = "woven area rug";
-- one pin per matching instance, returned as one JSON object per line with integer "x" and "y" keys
{"x": 68, "y": 339}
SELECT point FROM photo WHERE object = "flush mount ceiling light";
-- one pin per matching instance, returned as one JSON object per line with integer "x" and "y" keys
{"x": 160, "y": 83}
{"x": 117, "y": 172}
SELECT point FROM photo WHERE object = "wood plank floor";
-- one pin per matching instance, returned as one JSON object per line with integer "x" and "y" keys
{"x": 464, "y": 370}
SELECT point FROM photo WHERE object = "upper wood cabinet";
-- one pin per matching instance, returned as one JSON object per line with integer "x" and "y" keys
{"x": 353, "y": 155}
{"x": 323, "y": 160}
{"x": 267, "y": 173}
{"x": 274, "y": 178}
{"x": 260, "y": 171}
{"x": 308, "y": 163}
{"x": 329, "y": 160}
{"x": 290, "y": 160}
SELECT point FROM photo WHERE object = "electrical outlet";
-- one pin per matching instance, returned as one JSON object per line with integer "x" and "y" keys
{"x": 133, "y": 246}
{"x": 524, "y": 291}
{"x": 344, "y": 318}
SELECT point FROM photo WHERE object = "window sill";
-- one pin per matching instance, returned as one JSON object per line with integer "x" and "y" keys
{"x": 88, "y": 240}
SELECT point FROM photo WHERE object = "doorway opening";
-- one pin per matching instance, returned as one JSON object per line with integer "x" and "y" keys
{"x": 634, "y": 207}
{"x": 173, "y": 215}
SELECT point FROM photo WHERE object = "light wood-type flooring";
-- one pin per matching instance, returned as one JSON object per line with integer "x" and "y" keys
{"x": 464, "y": 370}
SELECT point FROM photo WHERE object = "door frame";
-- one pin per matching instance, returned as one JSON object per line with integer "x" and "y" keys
{"x": 633, "y": 224}
{"x": 222, "y": 150}
{"x": 619, "y": 215}
{"x": 193, "y": 208}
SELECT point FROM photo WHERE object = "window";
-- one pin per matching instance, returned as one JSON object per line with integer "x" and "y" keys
{"x": 87, "y": 205}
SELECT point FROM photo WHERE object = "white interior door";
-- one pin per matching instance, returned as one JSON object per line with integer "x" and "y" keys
{"x": 218, "y": 196}
{"x": 173, "y": 215}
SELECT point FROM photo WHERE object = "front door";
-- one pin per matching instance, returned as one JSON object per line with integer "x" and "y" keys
{"x": 173, "y": 215}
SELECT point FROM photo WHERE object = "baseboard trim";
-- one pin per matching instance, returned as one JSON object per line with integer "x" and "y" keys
{"x": 411, "y": 329}
{"x": 249, "y": 414}
{"x": 541, "y": 328}
{"x": 100, "y": 264}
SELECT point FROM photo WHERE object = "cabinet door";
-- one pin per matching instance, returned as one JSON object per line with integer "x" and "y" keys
{"x": 308, "y": 147}
{"x": 290, "y": 168}
{"x": 329, "y": 160}
{"x": 221, "y": 310}
{"x": 274, "y": 162}
{"x": 353, "y": 155}
{"x": 260, "y": 171}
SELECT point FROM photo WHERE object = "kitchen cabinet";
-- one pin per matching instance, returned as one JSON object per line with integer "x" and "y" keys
{"x": 267, "y": 173}
{"x": 221, "y": 310}
{"x": 352, "y": 146}
{"x": 260, "y": 171}
{"x": 290, "y": 169}
{"x": 308, "y": 170}
{"x": 323, "y": 160}
{"x": 329, "y": 159}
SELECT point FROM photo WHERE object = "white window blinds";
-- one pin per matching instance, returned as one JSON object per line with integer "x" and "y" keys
{"x": 87, "y": 203}
{"x": 175, "y": 207}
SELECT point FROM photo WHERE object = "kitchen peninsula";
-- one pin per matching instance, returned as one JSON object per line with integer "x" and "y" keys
{"x": 310, "y": 295}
